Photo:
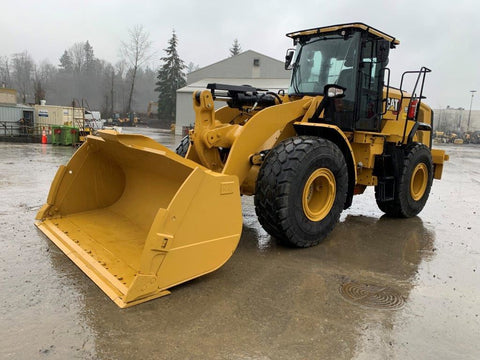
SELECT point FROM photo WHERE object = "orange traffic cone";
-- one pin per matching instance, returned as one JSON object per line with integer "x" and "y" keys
{"x": 44, "y": 136}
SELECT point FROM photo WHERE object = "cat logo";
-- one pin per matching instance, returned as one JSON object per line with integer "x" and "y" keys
{"x": 392, "y": 104}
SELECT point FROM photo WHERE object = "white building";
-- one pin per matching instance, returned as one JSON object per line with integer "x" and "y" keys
{"x": 248, "y": 68}
{"x": 456, "y": 120}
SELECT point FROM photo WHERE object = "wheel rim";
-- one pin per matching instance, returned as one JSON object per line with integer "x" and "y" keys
{"x": 418, "y": 182}
{"x": 319, "y": 194}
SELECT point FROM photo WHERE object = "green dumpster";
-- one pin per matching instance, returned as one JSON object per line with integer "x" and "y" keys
{"x": 56, "y": 134}
{"x": 69, "y": 135}
{"x": 49, "y": 131}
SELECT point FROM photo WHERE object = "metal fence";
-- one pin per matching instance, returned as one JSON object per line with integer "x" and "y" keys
{"x": 16, "y": 129}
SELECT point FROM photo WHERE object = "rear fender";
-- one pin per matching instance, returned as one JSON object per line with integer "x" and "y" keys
{"x": 439, "y": 157}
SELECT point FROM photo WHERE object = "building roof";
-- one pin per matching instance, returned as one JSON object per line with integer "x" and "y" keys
{"x": 248, "y": 64}
{"x": 16, "y": 106}
{"x": 270, "y": 84}
{"x": 242, "y": 54}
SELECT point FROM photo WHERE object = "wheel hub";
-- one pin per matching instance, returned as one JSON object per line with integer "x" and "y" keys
{"x": 418, "y": 182}
{"x": 319, "y": 194}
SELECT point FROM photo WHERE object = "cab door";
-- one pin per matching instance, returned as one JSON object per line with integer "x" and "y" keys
{"x": 373, "y": 59}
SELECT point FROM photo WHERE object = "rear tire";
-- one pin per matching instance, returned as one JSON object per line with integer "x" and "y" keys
{"x": 182, "y": 148}
{"x": 301, "y": 190}
{"x": 413, "y": 185}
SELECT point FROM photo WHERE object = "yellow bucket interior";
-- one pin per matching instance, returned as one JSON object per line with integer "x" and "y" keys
{"x": 126, "y": 208}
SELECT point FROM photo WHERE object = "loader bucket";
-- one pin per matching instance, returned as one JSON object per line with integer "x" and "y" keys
{"x": 139, "y": 219}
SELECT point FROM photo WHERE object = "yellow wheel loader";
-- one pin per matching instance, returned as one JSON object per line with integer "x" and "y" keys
{"x": 139, "y": 219}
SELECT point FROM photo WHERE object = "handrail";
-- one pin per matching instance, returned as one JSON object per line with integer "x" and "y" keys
{"x": 421, "y": 74}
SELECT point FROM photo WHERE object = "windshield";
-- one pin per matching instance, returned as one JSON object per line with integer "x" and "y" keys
{"x": 325, "y": 60}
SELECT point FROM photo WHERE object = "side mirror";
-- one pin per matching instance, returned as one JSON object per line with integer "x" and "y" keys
{"x": 288, "y": 59}
{"x": 330, "y": 91}
{"x": 334, "y": 91}
{"x": 383, "y": 49}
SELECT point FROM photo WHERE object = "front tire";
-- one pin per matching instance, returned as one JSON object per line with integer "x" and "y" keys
{"x": 301, "y": 190}
{"x": 413, "y": 184}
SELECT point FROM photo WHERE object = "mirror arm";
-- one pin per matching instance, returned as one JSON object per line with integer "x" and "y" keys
{"x": 326, "y": 99}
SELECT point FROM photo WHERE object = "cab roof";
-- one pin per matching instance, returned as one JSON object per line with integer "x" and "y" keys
{"x": 336, "y": 28}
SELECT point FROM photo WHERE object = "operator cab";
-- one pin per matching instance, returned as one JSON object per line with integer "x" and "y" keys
{"x": 352, "y": 57}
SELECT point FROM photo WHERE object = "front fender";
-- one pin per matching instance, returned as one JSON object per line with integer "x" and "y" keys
{"x": 337, "y": 136}
{"x": 262, "y": 132}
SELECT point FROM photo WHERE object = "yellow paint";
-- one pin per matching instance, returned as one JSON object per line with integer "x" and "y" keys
{"x": 151, "y": 219}
{"x": 319, "y": 194}
{"x": 139, "y": 219}
{"x": 419, "y": 181}
{"x": 438, "y": 157}
{"x": 336, "y": 129}
{"x": 327, "y": 29}
{"x": 257, "y": 133}
{"x": 366, "y": 146}
{"x": 365, "y": 177}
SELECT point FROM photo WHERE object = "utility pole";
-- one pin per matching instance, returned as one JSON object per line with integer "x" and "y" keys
{"x": 470, "y": 111}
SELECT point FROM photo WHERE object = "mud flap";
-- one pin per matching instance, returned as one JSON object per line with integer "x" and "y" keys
{"x": 139, "y": 219}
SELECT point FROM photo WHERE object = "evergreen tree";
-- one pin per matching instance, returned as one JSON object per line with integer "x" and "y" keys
{"x": 235, "y": 49}
{"x": 66, "y": 63}
{"x": 89, "y": 57}
{"x": 170, "y": 78}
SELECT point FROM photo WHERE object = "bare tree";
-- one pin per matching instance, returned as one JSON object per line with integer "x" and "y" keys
{"x": 111, "y": 109}
{"x": 191, "y": 67}
{"x": 121, "y": 68}
{"x": 43, "y": 75}
{"x": 23, "y": 67}
{"x": 38, "y": 88}
{"x": 120, "y": 74}
{"x": 79, "y": 75}
{"x": 77, "y": 56}
{"x": 110, "y": 88}
{"x": 5, "y": 80}
{"x": 136, "y": 52}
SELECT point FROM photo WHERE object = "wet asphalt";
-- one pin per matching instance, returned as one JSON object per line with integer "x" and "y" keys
{"x": 376, "y": 288}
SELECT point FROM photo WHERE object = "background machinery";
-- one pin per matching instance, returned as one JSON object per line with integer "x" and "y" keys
{"x": 153, "y": 219}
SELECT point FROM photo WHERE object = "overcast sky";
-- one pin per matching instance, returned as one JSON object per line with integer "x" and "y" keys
{"x": 442, "y": 35}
